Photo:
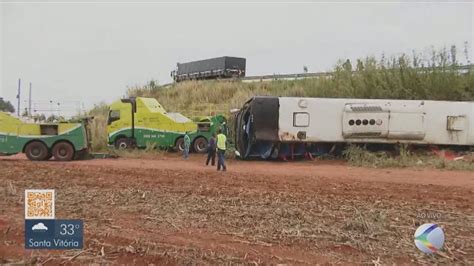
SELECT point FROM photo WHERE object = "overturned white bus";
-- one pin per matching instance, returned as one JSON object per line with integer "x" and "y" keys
{"x": 268, "y": 127}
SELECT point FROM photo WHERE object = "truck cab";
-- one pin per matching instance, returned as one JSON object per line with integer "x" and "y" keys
{"x": 138, "y": 122}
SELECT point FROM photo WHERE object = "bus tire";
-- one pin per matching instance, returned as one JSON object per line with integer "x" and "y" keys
{"x": 179, "y": 145}
{"x": 200, "y": 145}
{"x": 36, "y": 151}
{"x": 63, "y": 151}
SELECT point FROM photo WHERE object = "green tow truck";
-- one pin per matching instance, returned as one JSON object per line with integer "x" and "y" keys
{"x": 139, "y": 121}
{"x": 63, "y": 141}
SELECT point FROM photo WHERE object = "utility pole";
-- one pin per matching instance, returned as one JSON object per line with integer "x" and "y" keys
{"x": 29, "y": 103}
{"x": 18, "y": 96}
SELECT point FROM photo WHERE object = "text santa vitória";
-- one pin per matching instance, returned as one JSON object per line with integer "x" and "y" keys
{"x": 54, "y": 243}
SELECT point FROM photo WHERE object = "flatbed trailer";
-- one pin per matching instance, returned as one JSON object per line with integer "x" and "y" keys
{"x": 265, "y": 126}
{"x": 213, "y": 68}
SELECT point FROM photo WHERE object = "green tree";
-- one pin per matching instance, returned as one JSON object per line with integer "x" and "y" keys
{"x": 6, "y": 106}
{"x": 453, "y": 55}
{"x": 347, "y": 65}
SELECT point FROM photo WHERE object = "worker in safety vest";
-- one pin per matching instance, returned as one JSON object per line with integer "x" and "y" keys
{"x": 187, "y": 143}
{"x": 221, "y": 147}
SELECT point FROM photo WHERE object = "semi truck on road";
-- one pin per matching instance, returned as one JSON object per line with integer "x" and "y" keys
{"x": 214, "y": 68}
{"x": 41, "y": 141}
{"x": 138, "y": 122}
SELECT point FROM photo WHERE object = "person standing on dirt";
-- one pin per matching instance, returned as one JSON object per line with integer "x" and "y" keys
{"x": 187, "y": 143}
{"x": 211, "y": 150}
{"x": 221, "y": 148}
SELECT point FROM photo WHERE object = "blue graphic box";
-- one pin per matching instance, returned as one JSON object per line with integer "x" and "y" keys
{"x": 54, "y": 234}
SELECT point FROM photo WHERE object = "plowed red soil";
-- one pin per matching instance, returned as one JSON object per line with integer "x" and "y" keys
{"x": 170, "y": 211}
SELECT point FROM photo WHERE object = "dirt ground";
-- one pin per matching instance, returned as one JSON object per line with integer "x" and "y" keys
{"x": 169, "y": 211}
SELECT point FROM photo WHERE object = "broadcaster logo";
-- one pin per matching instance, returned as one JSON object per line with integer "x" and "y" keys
{"x": 429, "y": 238}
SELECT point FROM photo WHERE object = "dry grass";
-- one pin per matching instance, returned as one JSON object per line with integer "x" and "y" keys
{"x": 404, "y": 157}
{"x": 150, "y": 152}
{"x": 98, "y": 128}
{"x": 346, "y": 221}
{"x": 401, "y": 77}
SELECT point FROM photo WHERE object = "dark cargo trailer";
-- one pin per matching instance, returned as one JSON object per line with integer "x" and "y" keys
{"x": 214, "y": 68}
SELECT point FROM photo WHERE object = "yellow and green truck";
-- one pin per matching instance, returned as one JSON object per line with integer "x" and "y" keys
{"x": 41, "y": 141}
{"x": 140, "y": 121}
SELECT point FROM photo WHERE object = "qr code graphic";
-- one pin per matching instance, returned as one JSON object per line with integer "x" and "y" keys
{"x": 39, "y": 204}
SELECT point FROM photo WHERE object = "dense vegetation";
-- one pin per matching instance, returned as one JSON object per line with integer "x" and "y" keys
{"x": 403, "y": 77}
{"x": 99, "y": 126}
{"x": 404, "y": 156}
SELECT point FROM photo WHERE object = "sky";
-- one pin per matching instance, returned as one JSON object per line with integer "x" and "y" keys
{"x": 78, "y": 54}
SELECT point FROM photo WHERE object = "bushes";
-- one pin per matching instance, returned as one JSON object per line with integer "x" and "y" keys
{"x": 400, "y": 77}
{"x": 98, "y": 126}
{"x": 6, "y": 106}
{"x": 359, "y": 156}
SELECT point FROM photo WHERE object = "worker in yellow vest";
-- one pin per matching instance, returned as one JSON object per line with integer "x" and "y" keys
{"x": 221, "y": 147}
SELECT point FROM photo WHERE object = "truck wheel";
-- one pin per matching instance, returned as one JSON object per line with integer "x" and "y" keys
{"x": 200, "y": 145}
{"x": 36, "y": 151}
{"x": 179, "y": 146}
{"x": 122, "y": 143}
{"x": 63, "y": 151}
